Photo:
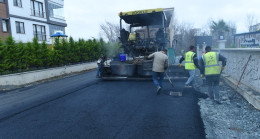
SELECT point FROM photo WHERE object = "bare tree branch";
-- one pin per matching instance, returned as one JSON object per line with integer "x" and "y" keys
{"x": 110, "y": 31}
{"x": 250, "y": 21}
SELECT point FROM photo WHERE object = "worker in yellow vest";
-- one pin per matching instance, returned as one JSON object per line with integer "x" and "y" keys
{"x": 191, "y": 62}
{"x": 211, "y": 69}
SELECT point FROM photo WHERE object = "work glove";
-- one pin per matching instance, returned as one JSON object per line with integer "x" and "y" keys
{"x": 201, "y": 76}
{"x": 222, "y": 68}
{"x": 179, "y": 65}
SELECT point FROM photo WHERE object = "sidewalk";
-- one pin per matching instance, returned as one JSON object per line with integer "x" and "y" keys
{"x": 24, "y": 79}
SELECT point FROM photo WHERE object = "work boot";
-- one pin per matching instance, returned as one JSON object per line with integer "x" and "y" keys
{"x": 158, "y": 90}
{"x": 187, "y": 86}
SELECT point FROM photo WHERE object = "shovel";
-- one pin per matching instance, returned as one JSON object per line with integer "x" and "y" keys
{"x": 172, "y": 93}
{"x": 169, "y": 79}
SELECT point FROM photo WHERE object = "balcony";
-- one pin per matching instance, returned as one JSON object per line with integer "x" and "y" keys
{"x": 60, "y": 2}
{"x": 56, "y": 11}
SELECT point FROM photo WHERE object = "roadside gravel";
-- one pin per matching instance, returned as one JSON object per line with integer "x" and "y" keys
{"x": 233, "y": 118}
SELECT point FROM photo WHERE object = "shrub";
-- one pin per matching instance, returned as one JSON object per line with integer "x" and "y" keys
{"x": 16, "y": 57}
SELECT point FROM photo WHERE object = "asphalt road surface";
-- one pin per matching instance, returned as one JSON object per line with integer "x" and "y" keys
{"x": 82, "y": 106}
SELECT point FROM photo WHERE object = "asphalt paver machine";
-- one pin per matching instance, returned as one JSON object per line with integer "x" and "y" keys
{"x": 142, "y": 32}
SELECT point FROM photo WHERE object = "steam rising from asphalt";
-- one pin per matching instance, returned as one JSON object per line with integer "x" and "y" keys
{"x": 112, "y": 49}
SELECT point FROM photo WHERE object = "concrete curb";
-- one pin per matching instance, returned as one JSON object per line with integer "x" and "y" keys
{"x": 252, "y": 96}
{"x": 17, "y": 80}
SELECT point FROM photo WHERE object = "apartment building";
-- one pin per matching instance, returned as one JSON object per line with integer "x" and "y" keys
{"x": 254, "y": 28}
{"x": 247, "y": 40}
{"x": 26, "y": 19}
{"x": 4, "y": 31}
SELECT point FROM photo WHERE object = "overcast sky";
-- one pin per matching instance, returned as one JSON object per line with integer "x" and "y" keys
{"x": 85, "y": 16}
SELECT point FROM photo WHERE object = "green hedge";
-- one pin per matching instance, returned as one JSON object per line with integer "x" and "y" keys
{"x": 19, "y": 57}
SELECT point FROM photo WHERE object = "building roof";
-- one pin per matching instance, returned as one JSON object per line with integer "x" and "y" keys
{"x": 59, "y": 34}
{"x": 247, "y": 33}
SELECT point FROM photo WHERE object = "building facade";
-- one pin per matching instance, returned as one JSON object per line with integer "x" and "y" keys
{"x": 4, "y": 26}
{"x": 254, "y": 28}
{"x": 248, "y": 40}
{"x": 27, "y": 19}
{"x": 201, "y": 41}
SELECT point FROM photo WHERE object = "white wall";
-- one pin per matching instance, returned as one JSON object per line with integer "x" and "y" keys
{"x": 34, "y": 76}
{"x": 58, "y": 20}
{"x": 28, "y": 27}
{"x": 25, "y": 10}
{"x": 236, "y": 60}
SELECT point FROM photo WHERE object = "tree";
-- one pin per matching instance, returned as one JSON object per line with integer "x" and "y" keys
{"x": 222, "y": 28}
{"x": 184, "y": 34}
{"x": 20, "y": 56}
{"x": 110, "y": 31}
{"x": 32, "y": 55}
{"x": 38, "y": 61}
{"x": 1, "y": 55}
{"x": 45, "y": 54}
{"x": 205, "y": 29}
{"x": 250, "y": 21}
{"x": 219, "y": 27}
{"x": 10, "y": 54}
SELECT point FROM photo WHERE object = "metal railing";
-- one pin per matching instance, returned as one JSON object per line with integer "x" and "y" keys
{"x": 57, "y": 16}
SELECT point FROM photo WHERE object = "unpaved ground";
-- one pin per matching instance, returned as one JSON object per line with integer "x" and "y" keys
{"x": 234, "y": 118}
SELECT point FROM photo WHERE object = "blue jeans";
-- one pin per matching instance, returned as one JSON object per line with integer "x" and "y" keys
{"x": 155, "y": 79}
{"x": 98, "y": 70}
{"x": 191, "y": 78}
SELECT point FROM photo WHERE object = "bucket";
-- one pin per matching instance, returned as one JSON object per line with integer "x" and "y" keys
{"x": 122, "y": 57}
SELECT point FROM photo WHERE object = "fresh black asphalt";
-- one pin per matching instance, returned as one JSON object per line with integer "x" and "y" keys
{"x": 108, "y": 109}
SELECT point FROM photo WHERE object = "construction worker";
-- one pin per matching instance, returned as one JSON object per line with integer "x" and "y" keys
{"x": 210, "y": 68}
{"x": 191, "y": 62}
{"x": 160, "y": 64}
{"x": 100, "y": 64}
{"x": 200, "y": 58}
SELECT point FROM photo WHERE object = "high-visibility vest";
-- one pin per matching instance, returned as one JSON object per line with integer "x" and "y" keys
{"x": 132, "y": 37}
{"x": 211, "y": 63}
{"x": 189, "y": 63}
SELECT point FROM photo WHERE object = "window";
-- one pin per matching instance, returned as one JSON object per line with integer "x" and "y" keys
{"x": 18, "y": 3}
{"x": 54, "y": 29}
{"x": 39, "y": 32}
{"x": 4, "y": 25}
{"x": 19, "y": 27}
{"x": 37, "y": 8}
